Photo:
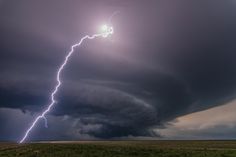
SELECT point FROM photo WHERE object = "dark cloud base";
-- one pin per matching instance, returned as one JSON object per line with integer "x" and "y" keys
{"x": 166, "y": 59}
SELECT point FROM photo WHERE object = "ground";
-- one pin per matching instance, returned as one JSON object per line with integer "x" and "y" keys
{"x": 121, "y": 149}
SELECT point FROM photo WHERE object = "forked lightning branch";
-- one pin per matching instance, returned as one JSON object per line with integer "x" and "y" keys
{"x": 105, "y": 32}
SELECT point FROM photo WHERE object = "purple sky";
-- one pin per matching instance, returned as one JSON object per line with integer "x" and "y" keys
{"x": 166, "y": 60}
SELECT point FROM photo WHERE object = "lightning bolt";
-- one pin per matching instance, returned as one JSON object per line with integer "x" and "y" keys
{"x": 105, "y": 33}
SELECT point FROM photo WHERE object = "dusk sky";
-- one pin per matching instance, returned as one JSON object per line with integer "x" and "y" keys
{"x": 167, "y": 72}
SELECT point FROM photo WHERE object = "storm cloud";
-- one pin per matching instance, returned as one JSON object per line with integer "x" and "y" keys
{"x": 165, "y": 59}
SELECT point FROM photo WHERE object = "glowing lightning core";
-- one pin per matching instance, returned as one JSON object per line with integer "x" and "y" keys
{"x": 105, "y": 32}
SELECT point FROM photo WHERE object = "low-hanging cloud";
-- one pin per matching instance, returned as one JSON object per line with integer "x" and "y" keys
{"x": 166, "y": 59}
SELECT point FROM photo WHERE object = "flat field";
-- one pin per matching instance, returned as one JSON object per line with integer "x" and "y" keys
{"x": 121, "y": 149}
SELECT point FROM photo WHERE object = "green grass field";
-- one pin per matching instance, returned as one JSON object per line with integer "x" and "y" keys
{"x": 121, "y": 149}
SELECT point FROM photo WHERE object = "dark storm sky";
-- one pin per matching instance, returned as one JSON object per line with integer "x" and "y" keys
{"x": 167, "y": 58}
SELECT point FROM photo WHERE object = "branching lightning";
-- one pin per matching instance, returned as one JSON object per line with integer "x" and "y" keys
{"x": 106, "y": 31}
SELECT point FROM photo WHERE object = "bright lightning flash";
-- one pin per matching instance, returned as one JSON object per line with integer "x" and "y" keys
{"x": 105, "y": 28}
{"x": 105, "y": 32}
